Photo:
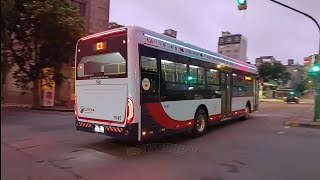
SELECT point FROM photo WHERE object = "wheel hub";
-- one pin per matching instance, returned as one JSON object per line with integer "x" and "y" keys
{"x": 200, "y": 123}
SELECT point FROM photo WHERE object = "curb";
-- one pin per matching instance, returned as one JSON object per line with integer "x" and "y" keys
{"x": 315, "y": 125}
{"x": 260, "y": 100}
{"x": 52, "y": 109}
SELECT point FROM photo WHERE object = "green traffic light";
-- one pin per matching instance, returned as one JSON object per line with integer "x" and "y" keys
{"x": 242, "y": 2}
{"x": 315, "y": 69}
{"x": 292, "y": 93}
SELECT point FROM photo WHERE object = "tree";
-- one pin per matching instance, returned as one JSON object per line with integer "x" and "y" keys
{"x": 6, "y": 10}
{"x": 304, "y": 85}
{"x": 42, "y": 34}
{"x": 275, "y": 71}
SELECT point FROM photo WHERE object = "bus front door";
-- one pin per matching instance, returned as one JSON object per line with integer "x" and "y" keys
{"x": 225, "y": 94}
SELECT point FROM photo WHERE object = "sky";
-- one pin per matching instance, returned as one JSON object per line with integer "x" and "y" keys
{"x": 271, "y": 30}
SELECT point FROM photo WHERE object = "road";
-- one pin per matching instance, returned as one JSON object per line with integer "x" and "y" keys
{"x": 38, "y": 145}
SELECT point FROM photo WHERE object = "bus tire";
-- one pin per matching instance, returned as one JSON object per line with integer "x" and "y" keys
{"x": 247, "y": 113}
{"x": 201, "y": 121}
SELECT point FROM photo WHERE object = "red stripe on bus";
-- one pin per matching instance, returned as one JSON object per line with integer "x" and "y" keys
{"x": 214, "y": 117}
{"x": 100, "y": 120}
{"x": 160, "y": 116}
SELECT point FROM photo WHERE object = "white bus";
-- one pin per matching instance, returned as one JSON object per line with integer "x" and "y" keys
{"x": 135, "y": 84}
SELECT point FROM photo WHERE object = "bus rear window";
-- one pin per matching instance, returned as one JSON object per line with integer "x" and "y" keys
{"x": 110, "y": 65}
{"x": 102, "y": 57}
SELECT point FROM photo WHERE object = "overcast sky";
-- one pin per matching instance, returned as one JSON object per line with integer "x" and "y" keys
{"x": 270, "y": 29}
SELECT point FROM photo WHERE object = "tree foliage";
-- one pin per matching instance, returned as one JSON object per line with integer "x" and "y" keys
{"x": 276, "y": 71}
{"x": 42, "y": 33}
{"x": 304, "y": 85}
{"x": 6, "y": 10}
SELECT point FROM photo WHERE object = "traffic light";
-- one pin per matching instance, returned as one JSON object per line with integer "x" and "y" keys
{"x": 242, "y": 4}
{"x": 315, "y": 67}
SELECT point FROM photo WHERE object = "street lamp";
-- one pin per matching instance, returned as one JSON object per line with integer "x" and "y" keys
{"x": 305, "y": 14}
{"x": 315, "y": 69}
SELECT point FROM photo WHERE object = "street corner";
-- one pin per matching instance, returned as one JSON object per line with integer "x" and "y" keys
{"x": 303, "y": 123}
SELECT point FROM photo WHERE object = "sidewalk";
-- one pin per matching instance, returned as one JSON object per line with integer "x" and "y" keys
{"x": 271, "y": 100}
{"x": 26, "y": 106}
{"x": 55, "y": 108}
{"x": 304, "y": 120}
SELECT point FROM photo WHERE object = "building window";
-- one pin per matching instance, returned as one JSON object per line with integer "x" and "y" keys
{"x": 221, "y": 47}
{"x": 220, "y": 52}
{"x": 228, "y": 51}
{"x": 81, "y": 6}
{"x": 236, "y": 50}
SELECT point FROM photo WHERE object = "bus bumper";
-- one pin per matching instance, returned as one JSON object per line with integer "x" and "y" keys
{"x": 129, "y": 132}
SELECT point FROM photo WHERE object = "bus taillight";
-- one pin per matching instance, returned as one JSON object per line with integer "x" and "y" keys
{"x": 130, "y": 111}
{"x": 75, "y": 107}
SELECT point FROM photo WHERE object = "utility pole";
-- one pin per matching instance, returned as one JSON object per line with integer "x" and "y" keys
{"x": 316, "y": 116}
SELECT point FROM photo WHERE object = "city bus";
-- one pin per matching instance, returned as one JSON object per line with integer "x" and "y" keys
{"x": 136, "y": 84}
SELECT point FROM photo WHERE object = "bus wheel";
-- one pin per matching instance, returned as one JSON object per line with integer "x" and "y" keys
{"x": 200, "y": 125}
{"x": 247, "y": 114}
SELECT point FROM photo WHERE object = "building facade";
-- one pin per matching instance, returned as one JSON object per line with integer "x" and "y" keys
{"x": 96, "y": 17}
{"x": 95, "y": 14}
{"x": 266, "y": 59}
{"x": 297, "y": 73}
{"x": 171, "y": 33}
{"x": 233, "y": 45}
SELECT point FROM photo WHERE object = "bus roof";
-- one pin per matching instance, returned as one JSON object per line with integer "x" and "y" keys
{"x": 224, "y": 60}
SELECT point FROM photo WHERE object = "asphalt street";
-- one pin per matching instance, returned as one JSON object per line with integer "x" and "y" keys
{"x": 40, "y": 145}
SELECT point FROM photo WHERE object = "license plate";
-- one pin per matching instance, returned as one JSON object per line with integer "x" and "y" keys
{"x": 99, "y": 129}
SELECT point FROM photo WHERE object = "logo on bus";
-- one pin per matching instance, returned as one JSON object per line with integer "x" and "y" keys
{"x": 98, "y": 81}
{"x": 86, "y": 110}
{"x": 146, "y": 84}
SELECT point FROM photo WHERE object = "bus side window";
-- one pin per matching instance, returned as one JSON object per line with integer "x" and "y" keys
{"x": 148, "y": 64}
{"x": 213, "y": 83}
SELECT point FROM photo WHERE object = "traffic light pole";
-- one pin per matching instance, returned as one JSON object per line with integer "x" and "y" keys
{"x": 307, "y": 15}
{"x": 316, "y": 116}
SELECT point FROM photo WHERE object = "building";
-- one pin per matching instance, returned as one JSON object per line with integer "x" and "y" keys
{"x": 113, "y": 25}
{"x": 265, "y": 59}
{"x": 95, "y": 13}
{"x": 233, "y": 45}
{"x": 297, "y": 73}
{"x": 290, "y": 62}
{"x": 96, "y": 17}
{"x": 170, "y": 32}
